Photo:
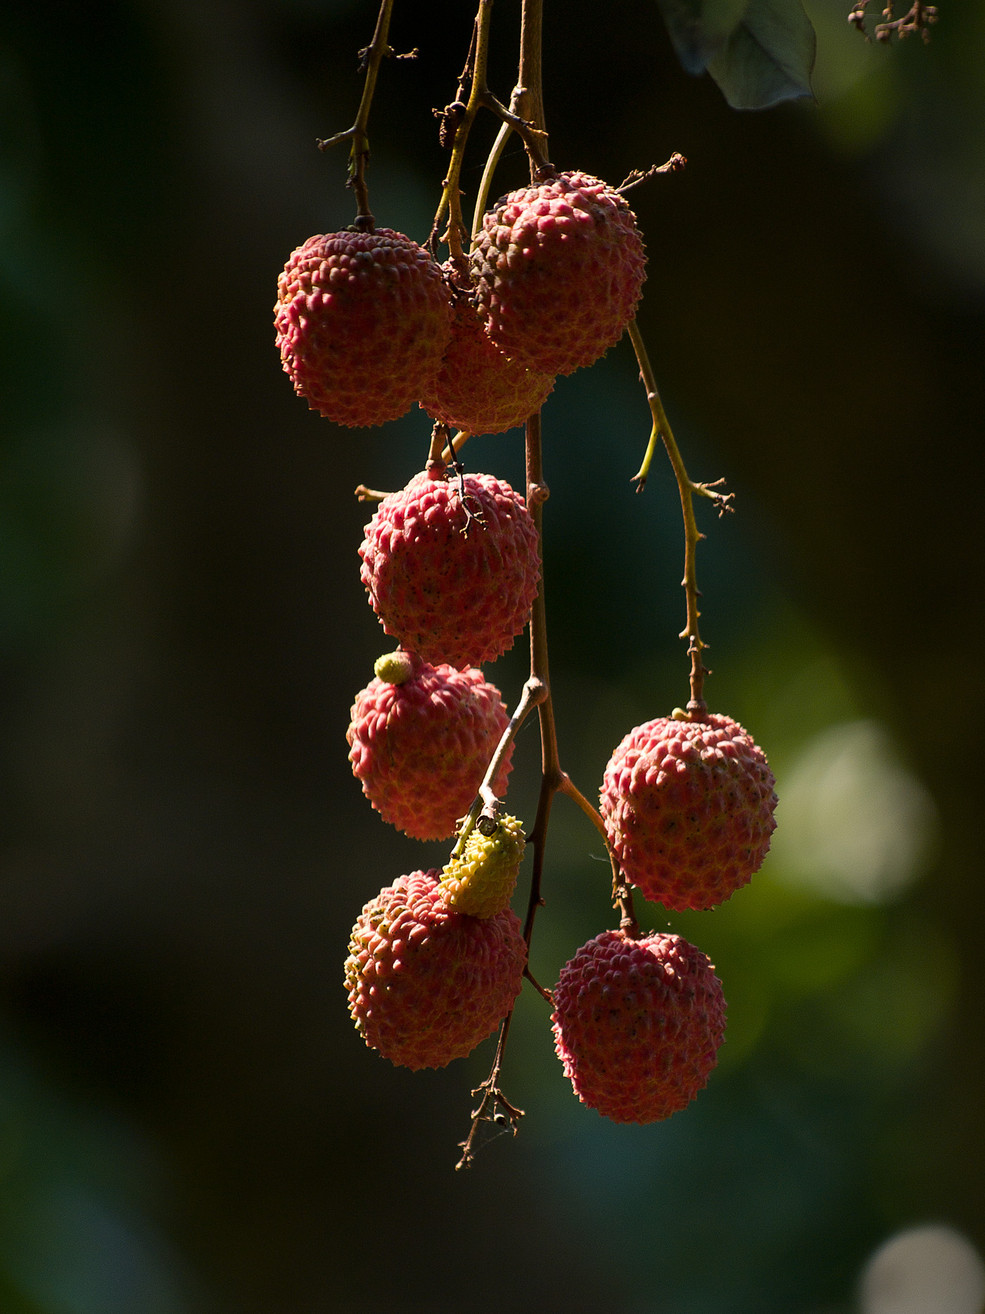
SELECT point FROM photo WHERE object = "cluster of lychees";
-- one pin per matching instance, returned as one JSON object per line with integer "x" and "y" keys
{"x": 435, "y": 962}
{"x": 368, "y": 324}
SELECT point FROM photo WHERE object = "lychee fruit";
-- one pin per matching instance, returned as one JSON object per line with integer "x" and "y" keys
{"x": 362, "y": 321}
{"x": 477, "y": 389}
{"x": 559, "y": 269}
{"x": 420, "y": 740}
{"x": 452, "y": 567}
{"x": 480, "y": 881}
{"x": 427, "y": 983}
{"x": 688, "y": 808}
{"x": 637, "y": 1024}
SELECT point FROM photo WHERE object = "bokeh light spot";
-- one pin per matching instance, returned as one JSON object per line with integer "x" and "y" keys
{"x": 931, "y": 1269}
{"x": 854, "y": 824}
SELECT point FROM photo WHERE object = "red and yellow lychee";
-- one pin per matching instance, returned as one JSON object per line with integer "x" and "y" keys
{"x": 477, "y": 389}
{"x": 452, "y": 566}
{"x": 688, "y": 808}
{"x": 637, "y": 1024}
{"x": 427, "y": 983}
{"x": 420, "y": 740}
{"x": 362, "y": 321}
{"x": 559, "y": 268}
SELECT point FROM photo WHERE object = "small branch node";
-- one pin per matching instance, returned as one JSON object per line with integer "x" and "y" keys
{"x": 722, "y": 502}
{"x": 364, "y": 494}
{"x": 535, "y": 691}
{"x": 622, "y": 898}
{"x": 674, "y": 165}
{"x": 326, "y": 143}
{"x": 493, "y": 1109}
{"x": 487, "y": 822}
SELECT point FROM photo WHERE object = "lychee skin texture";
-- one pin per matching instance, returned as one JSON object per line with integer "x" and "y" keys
{"x": 362, "y": 321}
{"x": 477, "y": 389}
{"x": 426, "y": 984}
{"x": 421, "y": 748}
{"x": 451, "y": 581}
{"x": 638, "y": 1024}
{"x": 559, "y": 270}
{"x": 688, "y": 809}
{"x": 481, "y": 880}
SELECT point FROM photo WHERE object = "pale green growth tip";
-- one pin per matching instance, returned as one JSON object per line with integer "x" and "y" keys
{"x": 394, "y": 667}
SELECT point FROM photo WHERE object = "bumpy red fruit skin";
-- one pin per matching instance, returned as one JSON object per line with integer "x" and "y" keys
{"x": 688, "y": 808}
{"x": 452, "y": 581}
{"x": 362, "y": 320}
{"x": 478, "y": 389}
{"x": 559, "y": 269}
{"x": 426, "y": 984}
{"x": 637, "y": 1024}
{"x": 421, "y": 748}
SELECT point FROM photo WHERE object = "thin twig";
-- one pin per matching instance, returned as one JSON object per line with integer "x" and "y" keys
{"x": 486, "y": 803}
{"x": 358, "y": 134}
{"x": 673, "y": 165}
{"x": 688, "y": 488}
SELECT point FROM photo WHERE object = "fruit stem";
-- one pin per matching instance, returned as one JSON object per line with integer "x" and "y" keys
{"x": 622, "y": 894}
{"x": 436, "y": 466}
{"x": 493, "y": 1107}
{"x": 493, "y": 1103}
{"x": 524, "y": 117}
{"x": 451, "y": 196}
{"x": 552, "y": 777}
{"x": 637, "y": 176}
{"x": 528, "y": 94}
{"x": 372, "y": 57}
{"x": 486, "y": 803}
{"x": 688, "y": 488}
{"x": 485, "y": 183}
{"x": 528, "y": 101}
{"x": 527, "y": 104}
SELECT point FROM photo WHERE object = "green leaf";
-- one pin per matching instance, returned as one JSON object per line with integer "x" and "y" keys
{"x": 700, "y": 28}
{"x": 768, "y": 57}
{"x": 758, "y": 51}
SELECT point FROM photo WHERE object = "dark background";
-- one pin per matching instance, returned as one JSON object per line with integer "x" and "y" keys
{"x": 188, "y": 1122}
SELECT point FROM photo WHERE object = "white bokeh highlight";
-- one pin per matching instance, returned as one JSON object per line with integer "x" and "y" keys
{"x": 853, "y": 823}
{"x": 931, "y": 1269}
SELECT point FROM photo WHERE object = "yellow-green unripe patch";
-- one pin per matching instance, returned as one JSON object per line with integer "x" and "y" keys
{"x": 394, "y": 667}
{"x": 481, "y": 881}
